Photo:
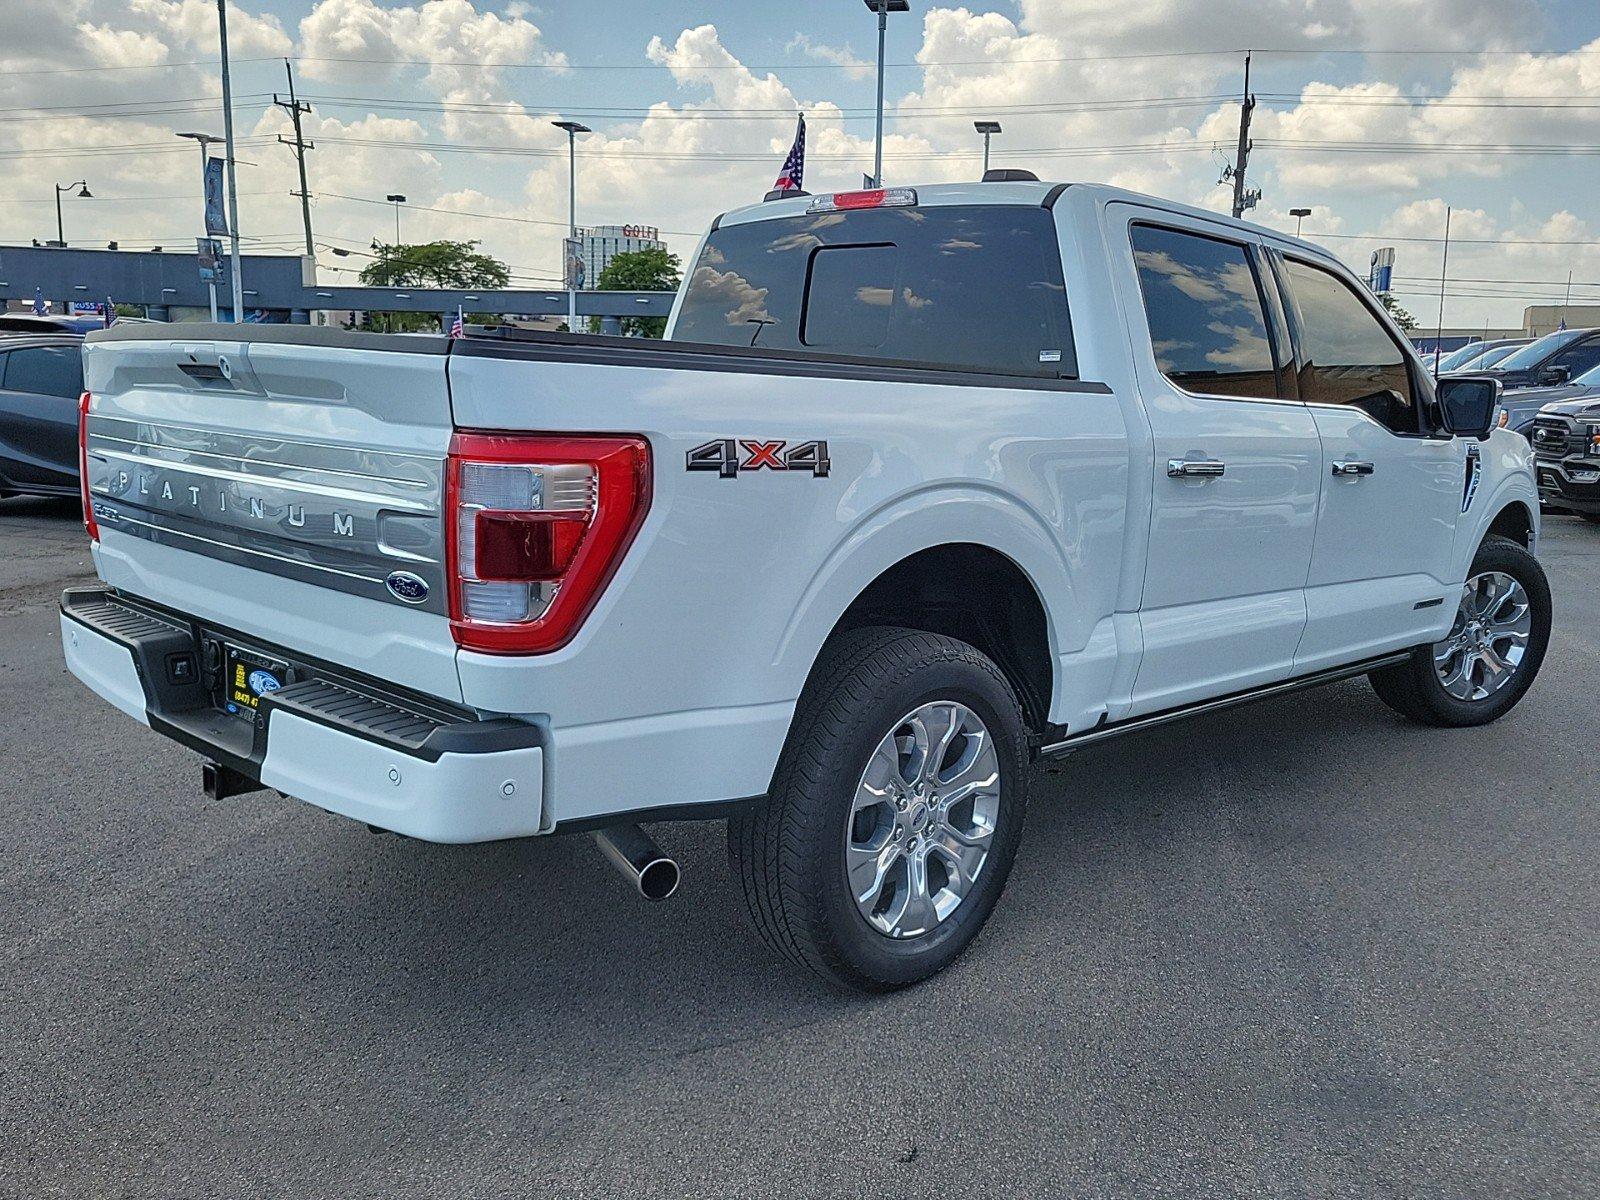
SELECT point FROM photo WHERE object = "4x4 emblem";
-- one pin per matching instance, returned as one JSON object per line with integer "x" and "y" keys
{"x": 728, "y": 456}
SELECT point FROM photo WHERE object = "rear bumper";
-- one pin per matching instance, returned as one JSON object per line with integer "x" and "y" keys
{"x": 338, "y": 741}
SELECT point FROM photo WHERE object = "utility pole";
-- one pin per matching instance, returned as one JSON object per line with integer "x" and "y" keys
{"x": 296, "y": 109}
{"x": 573, "y": 129}
{"x": 205, "y": 140}
{"x": 882, "y": 8}
{"x": 233, "y": 173}
{"x": 1243, "y": 197}
{"x": 1444, "y": 275}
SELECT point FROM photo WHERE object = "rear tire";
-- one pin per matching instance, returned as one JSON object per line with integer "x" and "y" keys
{"x": 853, "y": 792}
{"x": 1593, "y": 518}
{"x": 1482, "y": 646}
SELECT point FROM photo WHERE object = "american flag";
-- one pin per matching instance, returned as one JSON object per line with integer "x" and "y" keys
{"x": 794, "y": 167}
{"x": 458, "y": 328}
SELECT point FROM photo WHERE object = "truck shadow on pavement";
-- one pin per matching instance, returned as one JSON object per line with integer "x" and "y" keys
{"x": 1212, "y": 814}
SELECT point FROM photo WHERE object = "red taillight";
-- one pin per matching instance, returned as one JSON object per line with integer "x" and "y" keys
{"x": 531, "y": 546}
{"x": 83, "y": 468}
{"x": 535, "y": 527}
{"x": 867, "y": 199}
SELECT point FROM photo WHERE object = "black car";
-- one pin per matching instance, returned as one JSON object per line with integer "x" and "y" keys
{"x": 41, "y": 378}
{"x": 1552, "y": 360}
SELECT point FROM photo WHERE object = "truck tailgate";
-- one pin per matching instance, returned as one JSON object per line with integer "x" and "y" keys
{"x": 286, "y": 484}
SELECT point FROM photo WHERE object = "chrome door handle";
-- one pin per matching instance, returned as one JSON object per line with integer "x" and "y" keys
{"x": 1347, "y": 467}
{"x": 1195, "y": 468}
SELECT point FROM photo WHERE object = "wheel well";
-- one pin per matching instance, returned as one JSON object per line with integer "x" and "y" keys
{"x": 975, "y": 594}
{"x": 1514, "y": 521}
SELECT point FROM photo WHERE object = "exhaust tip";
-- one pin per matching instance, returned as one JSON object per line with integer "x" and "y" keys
{"x": 640, "y": 860}
{"x": 659, "y": 879}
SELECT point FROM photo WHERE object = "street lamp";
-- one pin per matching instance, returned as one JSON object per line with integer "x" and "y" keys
{"x": 205, "y": 141}
{"x": 397, "y": 200}
{"x": 85, "y": 194}
{"x": 573, "y": 129}
{"x": 1299, "y": 214}
{"x": 883, "y": 8}
{"x": 988, "y": 129}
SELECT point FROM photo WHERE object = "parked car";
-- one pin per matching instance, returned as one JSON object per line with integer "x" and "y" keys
{"x": 1551, "y": 360}
{"x": 1013, "y": 468}
{"x": 30, "y": 323}
{"x": 1478, "y": 354}
{"x": 1566, "y": 446}
{"x": 41, "y": 378}
{"x": 1488, "y": 354}
{"x": 1519, "y": 408}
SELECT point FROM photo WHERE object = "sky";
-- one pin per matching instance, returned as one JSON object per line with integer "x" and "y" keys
{"x": 1374, "y": 114}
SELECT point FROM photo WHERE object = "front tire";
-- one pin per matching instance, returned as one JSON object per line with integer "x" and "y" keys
{"x": 1494, "y": 649}
{"x": 1592, "y": 517}
{"x": 895, "y": 811}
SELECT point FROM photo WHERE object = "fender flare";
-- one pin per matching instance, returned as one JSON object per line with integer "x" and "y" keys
{"x": 1513, "y": 490}
{"x": 925, "y": 519}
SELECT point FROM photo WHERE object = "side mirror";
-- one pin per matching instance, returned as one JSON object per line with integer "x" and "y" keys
{"x": 1554, "y": 376}
{"x": 1467, "y": 404}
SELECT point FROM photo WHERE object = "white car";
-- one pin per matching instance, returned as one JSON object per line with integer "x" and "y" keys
{"x": 923, "y": 485}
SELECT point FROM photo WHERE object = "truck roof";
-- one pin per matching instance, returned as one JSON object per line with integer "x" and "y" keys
{"x": 1012, "y": 192}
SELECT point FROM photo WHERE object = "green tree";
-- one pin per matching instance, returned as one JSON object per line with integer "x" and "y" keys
{"x": 640, "y": 271}
{"x": 443, "y": 264}
{"x": 1401, "y": 317}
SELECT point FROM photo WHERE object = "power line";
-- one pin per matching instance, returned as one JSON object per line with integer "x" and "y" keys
{"x": 453, "y": 212}
{"x": 1229, "y": 52}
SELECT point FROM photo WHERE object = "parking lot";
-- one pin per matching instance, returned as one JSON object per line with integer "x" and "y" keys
{"x": 1302, "y": 948}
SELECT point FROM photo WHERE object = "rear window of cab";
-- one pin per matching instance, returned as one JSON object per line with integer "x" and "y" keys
{"x": 971, "y": 286}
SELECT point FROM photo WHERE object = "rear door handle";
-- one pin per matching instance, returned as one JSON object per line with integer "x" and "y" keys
{"x": 1195, "y": 468}
{"x": 1346, "y": 466}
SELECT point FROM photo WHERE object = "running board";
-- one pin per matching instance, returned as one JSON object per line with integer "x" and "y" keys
{"x": 1105, "y": 732}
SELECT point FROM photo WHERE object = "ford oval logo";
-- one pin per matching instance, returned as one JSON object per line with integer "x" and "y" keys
{"x": 403, "y": 585}
{"x": 262, "y": 682}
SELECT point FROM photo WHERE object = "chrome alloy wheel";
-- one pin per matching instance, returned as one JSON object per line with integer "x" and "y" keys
{"x": 1488, "y": 640}
{"x": 923, "y": 819}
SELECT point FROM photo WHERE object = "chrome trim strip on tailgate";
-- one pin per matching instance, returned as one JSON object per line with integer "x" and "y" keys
{"x": 343, "y": 517}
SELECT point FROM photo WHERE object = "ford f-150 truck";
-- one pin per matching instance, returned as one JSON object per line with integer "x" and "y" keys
{"x": 1566, "y": 445}
{"x": 923, "y": 484}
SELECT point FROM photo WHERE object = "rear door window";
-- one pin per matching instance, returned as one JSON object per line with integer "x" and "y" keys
{"x": 45, "y": 371}
{"x": 1208, "y": 325}
{"x": 973, "y": 286}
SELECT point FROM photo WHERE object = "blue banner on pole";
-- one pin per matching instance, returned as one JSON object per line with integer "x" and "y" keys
{"x": 213, "y": 266}
{"x": 216, "y": 210}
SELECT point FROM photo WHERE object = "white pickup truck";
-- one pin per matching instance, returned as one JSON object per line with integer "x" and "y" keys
{"x": 923, "y": 484}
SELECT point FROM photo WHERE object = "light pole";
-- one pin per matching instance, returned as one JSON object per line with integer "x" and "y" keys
{"x": 1299, "y": 214}
{"x": 233, "y": 173}
{"x": 988, "y": 129}
{"x": 573, "y": 129}
{"x": 397, "y": 200}
{"x": 205, "y": 141}
{"x": 85, "y": 194}
{"x": 883, "y": 8}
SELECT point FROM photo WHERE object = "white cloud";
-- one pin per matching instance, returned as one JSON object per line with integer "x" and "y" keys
{"x": 1063, "y": 76}
{"x": 840, "y": 56}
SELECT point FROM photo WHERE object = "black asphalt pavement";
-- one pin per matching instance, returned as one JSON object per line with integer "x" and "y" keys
{"x": 1300, "y": 949}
